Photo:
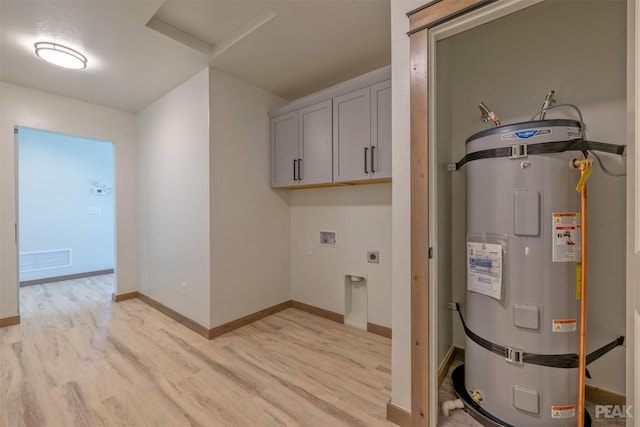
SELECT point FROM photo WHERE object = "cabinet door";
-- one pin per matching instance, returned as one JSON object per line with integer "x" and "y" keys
{"x": 381, "y": 130}
{"x": 352, "y": 136}
{"x": 315, "y": 144}
{"x": 284, "y": 150}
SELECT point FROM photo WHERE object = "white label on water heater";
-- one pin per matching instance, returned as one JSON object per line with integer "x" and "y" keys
{"x": 484, "y": 268}
{"x": 566, "y": 237}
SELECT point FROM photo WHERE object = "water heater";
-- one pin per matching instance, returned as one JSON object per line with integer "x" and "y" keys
{"x": 523, "y": 248}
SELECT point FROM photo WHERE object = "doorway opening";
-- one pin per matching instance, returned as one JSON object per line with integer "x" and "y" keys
{"x": 65, "y": 214}
{"x": 569, "y": 63}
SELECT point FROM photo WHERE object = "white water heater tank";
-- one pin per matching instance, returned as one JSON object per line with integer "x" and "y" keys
{"x": 523, "y": 248}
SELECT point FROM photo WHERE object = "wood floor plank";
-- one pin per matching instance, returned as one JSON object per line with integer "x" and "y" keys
{"x": 78, "y": 359}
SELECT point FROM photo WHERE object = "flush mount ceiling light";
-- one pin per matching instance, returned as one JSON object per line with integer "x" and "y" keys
{"x": 61, "y": 56}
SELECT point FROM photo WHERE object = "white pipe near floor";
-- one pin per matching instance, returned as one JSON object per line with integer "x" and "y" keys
{"x": 450, "y": 405}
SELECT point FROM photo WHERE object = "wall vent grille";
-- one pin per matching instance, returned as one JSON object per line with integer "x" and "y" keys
{"x": 44, "y": 260}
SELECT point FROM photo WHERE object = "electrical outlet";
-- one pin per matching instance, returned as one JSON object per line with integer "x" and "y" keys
{"x": 373, "y": 257}
{"x": 183, "y": 288}
{"x": 309, "y": 249}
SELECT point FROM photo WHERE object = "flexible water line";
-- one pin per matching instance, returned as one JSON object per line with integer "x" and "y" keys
{"x": 604, "y": 168}
{"x": 548, "y": 102}
{"x": 487, "y": 114}
{"x": 450, "y": 405}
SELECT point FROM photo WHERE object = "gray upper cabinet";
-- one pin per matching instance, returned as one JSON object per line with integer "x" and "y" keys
{"x": 340, "y": 134}
{"x": 381, "y": 130}
{"x": 301, "y": 147}
{"x": 284, "y": 150}
{"x": 314, "y": 165}
{"x": 362, "y": 134}
{"x": 352, "y": 136}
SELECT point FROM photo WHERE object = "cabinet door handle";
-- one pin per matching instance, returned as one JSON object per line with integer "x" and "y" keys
{"x": 372, "y": 161}
{"x": 294, "y": 170}
{"x": 365, "y": 159}
{"x": 299, "y": 174}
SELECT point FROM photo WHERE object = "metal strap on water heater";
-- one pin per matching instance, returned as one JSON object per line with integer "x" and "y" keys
{"x": 568, "y": 360}
{"x": 516, "y": 151}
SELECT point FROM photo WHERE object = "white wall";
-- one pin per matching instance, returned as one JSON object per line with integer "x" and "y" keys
{"x": 57, "y": 174}
{"x": 573, "y": 64}
{"x": 249, "y": 221}
{"x": 361, "y": 216}
{"x": 401, "y": 205}
{"x": 25, "y": 107}
{"x": 173, "y": 138}
{"x": 208, "y": 215}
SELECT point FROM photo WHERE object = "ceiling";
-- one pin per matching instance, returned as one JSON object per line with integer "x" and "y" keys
{"x": 138, "y": 50}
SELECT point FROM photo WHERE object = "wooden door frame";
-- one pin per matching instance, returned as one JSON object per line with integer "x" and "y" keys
{"x": 420, "y": 22}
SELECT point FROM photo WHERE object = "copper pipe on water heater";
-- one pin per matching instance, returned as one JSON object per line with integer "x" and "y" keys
{"x": 582, "y": 354}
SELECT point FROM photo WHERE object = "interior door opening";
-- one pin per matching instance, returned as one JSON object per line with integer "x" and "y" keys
{"x": 466, "y": 74}
{"x": 65, "y": 210}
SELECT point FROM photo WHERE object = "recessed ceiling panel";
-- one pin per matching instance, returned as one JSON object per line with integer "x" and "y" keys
{"x": 307, "y": 46}
{"x": 208, "y": 21}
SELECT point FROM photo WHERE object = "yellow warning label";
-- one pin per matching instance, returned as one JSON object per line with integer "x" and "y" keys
{"x": 578, "y": 279}
{"x": 568, "y": 411}
{"x": 564, "y": 325}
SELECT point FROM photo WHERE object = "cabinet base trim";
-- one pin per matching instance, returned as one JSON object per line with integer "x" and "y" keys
{"x": 339, "y": 184}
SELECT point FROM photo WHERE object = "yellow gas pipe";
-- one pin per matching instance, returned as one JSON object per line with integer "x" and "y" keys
{"x": 585, "y": 166}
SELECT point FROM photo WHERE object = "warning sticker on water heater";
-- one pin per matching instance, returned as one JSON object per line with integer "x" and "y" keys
{"x": 566, "y": 237}
{"x": 484, "y": 268}
{"x": 564, "y": 325}
{"x": 568, "y": 411}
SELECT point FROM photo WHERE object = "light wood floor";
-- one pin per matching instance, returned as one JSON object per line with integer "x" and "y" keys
{"x": 77, "y": 359}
